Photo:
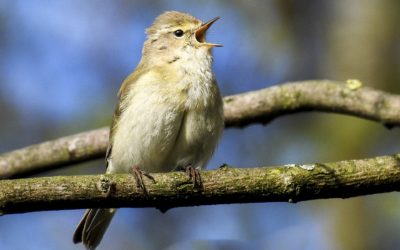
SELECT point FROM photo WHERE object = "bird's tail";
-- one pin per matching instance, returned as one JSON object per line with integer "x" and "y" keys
{"x": 92, "y": 227}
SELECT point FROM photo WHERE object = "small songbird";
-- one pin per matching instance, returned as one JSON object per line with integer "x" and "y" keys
{"x": 169, "y": 114}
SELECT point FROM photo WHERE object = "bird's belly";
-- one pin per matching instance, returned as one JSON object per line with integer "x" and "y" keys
{"x": 146, "y": 135}
{"x": 196, "y": 141}
{"x": 159, "y": 144}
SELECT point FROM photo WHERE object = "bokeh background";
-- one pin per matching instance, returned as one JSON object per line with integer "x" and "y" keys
{"x": 61, "y": 64}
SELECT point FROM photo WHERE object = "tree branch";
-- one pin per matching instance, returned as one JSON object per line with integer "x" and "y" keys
{"x": 260, "y": 106}
{"x": 264, "y": 105}
{"x": 290, "y": 183}
{"x": 51, "y": 154}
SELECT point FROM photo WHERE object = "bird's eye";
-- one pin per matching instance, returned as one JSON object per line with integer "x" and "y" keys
{"x": 178, "y": 33}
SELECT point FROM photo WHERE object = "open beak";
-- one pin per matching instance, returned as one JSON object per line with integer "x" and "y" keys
{"x": 200, "y": 34}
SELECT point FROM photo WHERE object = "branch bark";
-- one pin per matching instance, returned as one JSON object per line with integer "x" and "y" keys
{"x": 260, "y": 106}
{"x": 226, "y": 185}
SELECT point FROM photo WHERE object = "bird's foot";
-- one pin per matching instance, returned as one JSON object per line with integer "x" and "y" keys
{"x": 194, "y": 175}
{"x": 138, "y": 175}
{"x": 195, "y": 179}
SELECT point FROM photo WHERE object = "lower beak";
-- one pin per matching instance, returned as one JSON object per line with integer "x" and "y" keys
{"x": 200, "y": 34}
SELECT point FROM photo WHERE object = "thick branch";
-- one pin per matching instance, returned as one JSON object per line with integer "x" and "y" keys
{"x": 259, "y": 106}
{"x": 226, "y": 185}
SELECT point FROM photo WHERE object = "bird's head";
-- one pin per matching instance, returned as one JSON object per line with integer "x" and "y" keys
{"x": 175, "y": 35}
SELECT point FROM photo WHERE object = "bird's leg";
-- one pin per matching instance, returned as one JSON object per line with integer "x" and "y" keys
{"x": 138, "y": 174}
{"x": 194, "y": 175}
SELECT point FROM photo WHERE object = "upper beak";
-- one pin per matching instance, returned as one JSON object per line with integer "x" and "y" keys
{"x": 200, "y": 33}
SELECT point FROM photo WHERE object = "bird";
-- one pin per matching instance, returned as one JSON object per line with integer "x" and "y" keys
{"x": 169, "y": 114}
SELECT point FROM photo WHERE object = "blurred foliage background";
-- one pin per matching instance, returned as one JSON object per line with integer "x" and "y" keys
{"x": 63, "y": 61}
